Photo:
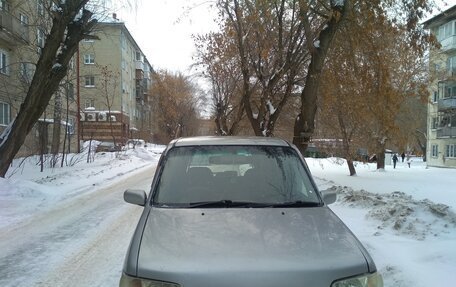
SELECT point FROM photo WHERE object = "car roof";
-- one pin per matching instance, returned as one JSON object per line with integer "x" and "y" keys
{"x": 229, "y": 140}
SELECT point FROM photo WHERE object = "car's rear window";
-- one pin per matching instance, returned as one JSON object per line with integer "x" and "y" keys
{"x": 260, "y": 174}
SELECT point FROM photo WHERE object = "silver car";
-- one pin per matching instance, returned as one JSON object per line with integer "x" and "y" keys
{"x": 231, "y": 211}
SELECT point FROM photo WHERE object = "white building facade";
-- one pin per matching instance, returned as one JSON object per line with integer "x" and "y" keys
{"x": 441, "y": 125}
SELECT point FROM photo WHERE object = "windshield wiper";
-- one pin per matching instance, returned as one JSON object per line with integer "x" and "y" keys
{"x": 297, "y": 203}
{"x": 225, "y": 203}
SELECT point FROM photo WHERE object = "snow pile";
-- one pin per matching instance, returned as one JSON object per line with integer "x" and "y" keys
{"x": 17, "y": 196}
{"x": 26, "y": 191}
{"x": 405, "y": 217}
{"x": 400, "y": 212}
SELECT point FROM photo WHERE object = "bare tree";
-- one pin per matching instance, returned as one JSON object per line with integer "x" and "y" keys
{"x": 332, "y": 17}
{"x": 270, "y": 42}
{"x": 374, "y": 74}
{"x": 175, "y": 106}
{"x": 71, "y": 22}
{"x": 280, "y": 51}
{"x": 217, "y": 56}
{"x": 109, "y": 83}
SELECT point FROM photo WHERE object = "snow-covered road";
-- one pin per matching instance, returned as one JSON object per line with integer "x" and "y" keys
{"x": 81, "y": 241}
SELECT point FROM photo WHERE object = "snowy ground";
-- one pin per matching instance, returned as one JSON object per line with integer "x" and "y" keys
{"x": 405, "y": 217}
{"x": 70, "y": 227}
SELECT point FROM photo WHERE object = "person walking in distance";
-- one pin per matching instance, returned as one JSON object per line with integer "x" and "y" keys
{"x": 403, "y": 156}
{"x": 409, "y": 160}
{"x": 394, "y": 160}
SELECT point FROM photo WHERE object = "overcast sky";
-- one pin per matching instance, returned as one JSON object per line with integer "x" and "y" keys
{"x": 163, "y": 29}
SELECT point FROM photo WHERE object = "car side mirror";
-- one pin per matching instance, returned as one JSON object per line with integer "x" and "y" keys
{"x": 329, "y": 196}
{"x": 135, "y": 196}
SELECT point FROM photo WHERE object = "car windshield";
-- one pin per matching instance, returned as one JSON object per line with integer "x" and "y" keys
{"x": 230, "y": 175}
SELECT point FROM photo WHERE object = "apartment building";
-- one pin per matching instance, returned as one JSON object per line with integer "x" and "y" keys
{"x": 441, "y": 126}
{"x": 103, "y": 97}
{"x": 23, "y": 27}
{"x": 114, "y": 90}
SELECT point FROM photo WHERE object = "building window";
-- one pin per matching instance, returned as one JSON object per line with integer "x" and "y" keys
{"x": 138, "y": 56}
{"x": 435, "y": 97}
{"x": 25, "y": 72}
{"x": 445, "y": 31}
{"x": 70, "y": 126}
{"x": 4, "y": 6}
{"x": 89, "y": 59}
{"x": 445, "y": 121}
{"x": 449, "y": 120}
{"x": 40, "y": 7}
{"x": 24, "y": 26}
{"x": 89, "y": 103}
{"x": 24, "y": 19}
{"x": 451, "y": 65}
{"x": 450, "y": 150}
{"x": 4, "y": 114}
{"x": 447, "y": 90}
{"x": 3, "y": 62}
{"x": 71, "y": 64}
{"x": 435, "y": 150}
{"x": 450, "y": 92}
{"x": 40, "y": 39}
{"x": 89, "y": 81}
{"x": 434, "y": 123}
{"x": 70, "y": 91}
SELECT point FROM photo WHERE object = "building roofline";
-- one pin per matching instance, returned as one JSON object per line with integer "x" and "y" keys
{"x": 434, "y": 21}
{"x": 123, "y": 26}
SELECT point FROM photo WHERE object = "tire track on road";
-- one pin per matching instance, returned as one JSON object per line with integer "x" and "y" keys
{"x": 37, "y": 251}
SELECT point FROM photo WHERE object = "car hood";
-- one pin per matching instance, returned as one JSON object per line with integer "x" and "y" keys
{"x": 237, "y": 246}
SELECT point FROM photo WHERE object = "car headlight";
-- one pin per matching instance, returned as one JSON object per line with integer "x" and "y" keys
{"x": 367, "y": 280}
{"x": 127, "y": 281}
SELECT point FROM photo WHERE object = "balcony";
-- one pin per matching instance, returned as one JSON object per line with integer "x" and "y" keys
{"x": 139, "y": 84}
{"x": 146, "y": 84}
{"x": 139, "y": 74}
{"x": 12, "y": 30}
{"x": 448, "y": 44}
{"x": 446, "y": 132}
{"x": 447, "y": 76}
{"x": 447, "y": 104}
{"x": 139, "y": 65}
{"x": 139, "y": 94}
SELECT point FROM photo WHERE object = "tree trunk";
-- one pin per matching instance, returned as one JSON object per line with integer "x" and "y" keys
{"x": 381, "y": 157}
{"x": 56, "y": 128}
{"x": 348, "y": 154}
{"x": 305, "y": 121}
{"x": 52, "y": 66}
{"x": 43, "y": 142}
{"x": 67, "y": 131}
{"x": 422, "y": 145}
{"x": 351, "y": 167}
